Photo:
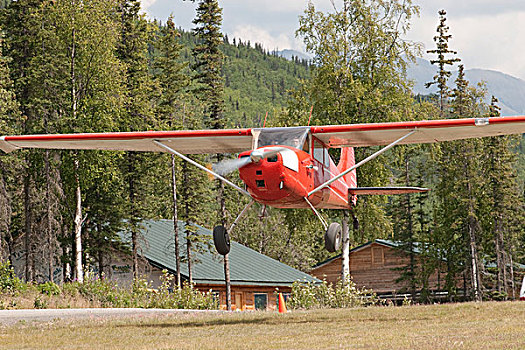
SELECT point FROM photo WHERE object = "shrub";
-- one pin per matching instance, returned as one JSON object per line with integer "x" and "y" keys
{"x": 49, "y": 288}
{"x": 9, "y": 283}
{"x": 40, "y": 303}
{"x": 185, "y": 297}
{"x": 316, "y": 296}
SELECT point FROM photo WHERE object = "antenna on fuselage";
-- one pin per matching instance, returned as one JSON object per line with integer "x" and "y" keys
{"x": 310, "y": 118}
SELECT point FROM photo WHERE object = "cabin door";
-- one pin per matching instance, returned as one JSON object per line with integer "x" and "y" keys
{"x": 239, "y": 301}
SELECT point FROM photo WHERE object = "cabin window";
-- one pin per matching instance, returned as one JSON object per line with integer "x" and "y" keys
{"x": 294, "y": 137}
{"x": 216, "y": 295}
{"x": 260, "y": 301}
{"x": 321, "y": 154}
{"x": 378, "y": 257}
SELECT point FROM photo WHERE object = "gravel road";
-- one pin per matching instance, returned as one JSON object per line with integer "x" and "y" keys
{"x": 9, "y": 317}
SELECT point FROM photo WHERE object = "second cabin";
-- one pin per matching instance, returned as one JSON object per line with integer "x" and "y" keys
{"x": 378, "y": 265}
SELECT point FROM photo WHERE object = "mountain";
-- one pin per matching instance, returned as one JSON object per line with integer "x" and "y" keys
{"x": 256, "y": 81}
{"x": 509, "y": 90}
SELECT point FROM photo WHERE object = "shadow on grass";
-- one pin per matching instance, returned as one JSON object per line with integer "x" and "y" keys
{"x": 266, "y": 320}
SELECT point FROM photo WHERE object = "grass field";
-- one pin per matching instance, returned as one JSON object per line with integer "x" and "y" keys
{"x": 489, "y": 325}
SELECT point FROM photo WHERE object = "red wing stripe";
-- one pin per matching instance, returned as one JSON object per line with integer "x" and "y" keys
{"x": 441, "y": 123}
{"x": 130, "y": 135}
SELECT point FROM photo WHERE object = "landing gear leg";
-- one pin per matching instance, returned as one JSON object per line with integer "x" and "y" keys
{"x": 221, "y": 237}
{"x": 332, "y": 236}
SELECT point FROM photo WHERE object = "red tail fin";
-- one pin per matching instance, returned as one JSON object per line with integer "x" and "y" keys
{"x": 348, "y": 160}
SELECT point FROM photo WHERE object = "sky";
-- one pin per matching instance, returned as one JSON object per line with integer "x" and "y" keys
{"x": 488, "y": 34}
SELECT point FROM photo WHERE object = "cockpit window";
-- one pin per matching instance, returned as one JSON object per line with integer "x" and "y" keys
{"x": 293, "y": 137}
{"x": 321, "y": 153}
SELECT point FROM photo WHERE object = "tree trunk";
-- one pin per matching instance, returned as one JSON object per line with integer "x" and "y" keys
{"x": 410, "y": 231}
{"x": 499, "y": 275}
{"x": 175, "y": 220}
{"x": 28, "y": 226}
{"x": 188, "y": 252}
{"x": 133, "y": 213}
{"x": 512, "y": 286}
{"x": 66, "y": 252}
{"x": 49, "y": 228}
{"x": 227, "y": 282}
{"x": 474, "y": 262}
{"x": 345, "y": 268}
{"x": 100, "y": 264}
{"x": 79, "y": 272}
{"x": 222, "y": 213}
{"x": 6, "y": 213}
{"x": 504, "y": 261}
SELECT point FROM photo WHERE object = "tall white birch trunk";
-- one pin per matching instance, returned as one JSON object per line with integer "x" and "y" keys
{"x": 345, "y": 268}
{"x": 79, "y": 272}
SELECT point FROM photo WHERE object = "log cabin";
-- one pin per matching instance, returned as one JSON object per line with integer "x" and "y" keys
{"x": 377, "y": 265}
{"x": 255, "y": 278}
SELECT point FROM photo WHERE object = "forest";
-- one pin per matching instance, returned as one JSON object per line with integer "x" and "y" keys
{"x": 100, "y": 65}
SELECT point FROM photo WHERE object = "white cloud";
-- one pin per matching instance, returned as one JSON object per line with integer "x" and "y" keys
{"x": 147, "y": 3}
{"x": 486, "y": 33}
{"x": 482, "y": 41}
{"x": 259, "y": 35}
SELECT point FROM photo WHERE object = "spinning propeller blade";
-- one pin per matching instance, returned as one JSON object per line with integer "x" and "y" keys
{"x": 229, "y": 165}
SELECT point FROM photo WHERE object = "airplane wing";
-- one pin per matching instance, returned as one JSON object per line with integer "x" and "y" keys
{"x": 428, "y": 131}
{"x": 184, "y": 141}
{"x": 238, "y": 140}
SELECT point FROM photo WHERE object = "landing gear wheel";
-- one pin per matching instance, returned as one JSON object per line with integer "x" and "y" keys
{"x": 332, "y": 237}
{"x": 221, "y": 239}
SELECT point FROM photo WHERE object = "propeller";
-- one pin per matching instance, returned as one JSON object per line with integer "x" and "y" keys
{"x": 229, "y": 165}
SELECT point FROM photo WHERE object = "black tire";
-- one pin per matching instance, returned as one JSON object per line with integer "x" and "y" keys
{"x": 332, "y": 237}
{"x": 221, "y": 240}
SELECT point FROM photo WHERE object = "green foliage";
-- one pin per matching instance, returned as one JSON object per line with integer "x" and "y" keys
{"x": 49, "y": 288}
{"x": 442, "y": 51}
{"x": 9, "y": 283}
{"x": 317, "y": 296}
{"x": 208, "y": 62}
{"x": 140, "y": 294}
{"x": 40, "y": 303}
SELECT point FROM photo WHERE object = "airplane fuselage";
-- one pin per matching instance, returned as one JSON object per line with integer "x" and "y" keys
{"x": 284, "y": 180}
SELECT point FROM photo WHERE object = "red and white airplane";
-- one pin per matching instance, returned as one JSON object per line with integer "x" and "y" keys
{"x": 285, "y": 167}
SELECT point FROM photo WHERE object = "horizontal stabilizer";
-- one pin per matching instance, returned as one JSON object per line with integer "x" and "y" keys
{"x": 385, "y": 190}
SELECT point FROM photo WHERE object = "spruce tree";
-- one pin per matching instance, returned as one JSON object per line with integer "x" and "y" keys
{"x": 503, "y": 209}
{"x": 459, "y": 191}
{"x": 210, "y": 88}
{"x": 442, "y": 51}
{"x": 138, "y": 114}
{"x": 10, "y": 165}
{"x": 172, "y": 80}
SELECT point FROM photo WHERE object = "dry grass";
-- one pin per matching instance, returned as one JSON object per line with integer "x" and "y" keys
{"x": 489, "y": 325}
{"x": 27, "y": 299}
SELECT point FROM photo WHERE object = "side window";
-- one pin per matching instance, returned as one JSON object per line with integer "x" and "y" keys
{"x": 260, "y": 301}
{"x": 216, "y": 295}
{"x": 321, "y": 154}
{"x": 318, "y": 152}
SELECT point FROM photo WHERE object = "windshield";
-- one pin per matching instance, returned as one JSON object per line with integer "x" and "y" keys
{"x": 293, "y": 137}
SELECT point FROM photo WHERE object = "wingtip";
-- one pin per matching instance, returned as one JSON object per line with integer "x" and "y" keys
{"x": 6, "y": 146}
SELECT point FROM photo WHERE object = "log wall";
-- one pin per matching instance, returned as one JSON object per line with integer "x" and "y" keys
{"x": 375, "y": 267}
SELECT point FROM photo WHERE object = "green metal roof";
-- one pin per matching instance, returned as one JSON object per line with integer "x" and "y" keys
{"x": 247, "y": 267}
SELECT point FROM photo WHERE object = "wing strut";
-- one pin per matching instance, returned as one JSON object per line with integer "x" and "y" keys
{"x": 366, "y": 160}
{"x": 202, "y": 167}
